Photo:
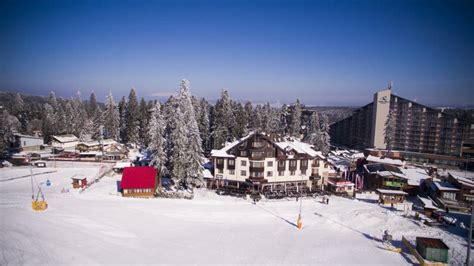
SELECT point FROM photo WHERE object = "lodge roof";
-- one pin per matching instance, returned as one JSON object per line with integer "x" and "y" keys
{"x": 65, "y": 138}
{"x": 138, "y": 177}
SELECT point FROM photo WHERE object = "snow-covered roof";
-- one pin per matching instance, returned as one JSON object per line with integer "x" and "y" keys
{"x": 340, "y": 182}
{"x": 207, "y": 174}
{"x": 122, "y": 164}
{"x": 376, "y": 159}
{"x": 298, "y": 146}
{"x": 223, "y": 152}
{"x": 65, "y": 138}
{"x": 415, "y": 175}
{"x": 26, "y": 136}
{"x": 389, "y": 191}
{"x": 91, "y": 153}
{"x": 466, "y": 180}
{"x": 445, "y": 186}
{"x": 97, "y": 143}
{"x": 427, "y": 203}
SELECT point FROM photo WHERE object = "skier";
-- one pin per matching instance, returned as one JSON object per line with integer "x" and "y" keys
{"x": 327, "y": 201}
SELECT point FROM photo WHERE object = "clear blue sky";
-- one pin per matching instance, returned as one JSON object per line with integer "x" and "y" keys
{"x": 323, "y": 52}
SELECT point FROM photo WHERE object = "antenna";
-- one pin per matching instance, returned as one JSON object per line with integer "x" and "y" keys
{"x": 390, "y": 84}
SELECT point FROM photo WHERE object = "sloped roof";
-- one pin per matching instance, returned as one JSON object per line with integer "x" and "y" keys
{"x": 389, "y": 191}
{"x": 376, "y": 159}
{"x": 96, "y": 142}
{"x": 65, "y": 138}
{"x": 138, "y": 177}
{"x": 415, "y": 175}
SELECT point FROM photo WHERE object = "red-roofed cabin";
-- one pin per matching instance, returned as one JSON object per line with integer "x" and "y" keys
{"x": 139, "y": 182}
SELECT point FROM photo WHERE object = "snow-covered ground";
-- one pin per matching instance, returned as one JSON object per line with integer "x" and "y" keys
{"x": 99, "y": 227}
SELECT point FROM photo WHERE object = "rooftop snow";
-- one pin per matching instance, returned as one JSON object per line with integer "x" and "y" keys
{"x": 65, "y": 138}
{"x": 376, "y": 159}
{"x": 445, "y": 186}
{"x": 415, "y": 175}
{"x": 389, "y": 191}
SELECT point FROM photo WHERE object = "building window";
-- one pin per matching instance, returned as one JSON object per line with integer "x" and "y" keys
{"x": 281, "y": 163}
{"x": 220, "y": 171}
{"x": 303, "y": 172}
{"x": 243, "y": 163}
{"x": 257, "y": 164}
{"x": 243, "y": 153}
{"x": 231, "y": 162}
{"x": 243, "y": 173}
{"x": 257, "y": 154}
{"x": 281, "y": 173}
{"x": 256, "y": 174}
{"x": 270, "y": 164}
{"x": 292, "y": 172}
{"x": 304, "y": 162}
{"x": 293, "y": 163}
{"x": 220, "y": 161}
{"x": 269, "y": 173}
{"x": 232, "y": 172}
{"x": 258, "y": 144}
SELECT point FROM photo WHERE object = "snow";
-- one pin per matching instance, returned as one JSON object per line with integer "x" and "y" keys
{"x": 99, "y": 227}
{"x": 427, "y": 203}
{"x": 444, "y": 186}
{"x": 298, "y": 146}
{"x": 376, "y": 159}
{"x": 389, "y": 191}
{"x": 65, "y": 138}
{"x": 414, "y": 175}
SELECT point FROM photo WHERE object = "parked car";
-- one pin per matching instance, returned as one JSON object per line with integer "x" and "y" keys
{"x": 39, "y": 163}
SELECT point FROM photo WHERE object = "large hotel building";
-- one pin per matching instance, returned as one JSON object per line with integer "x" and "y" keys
{"x": 420, "y": 131}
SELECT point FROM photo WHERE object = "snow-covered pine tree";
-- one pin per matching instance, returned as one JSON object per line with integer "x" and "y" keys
{"x": 248, "y": 115}
{"x": 295, "y": 123}
{"x": 325, "y": 138}
{"x": 178, "y": 145}
{"x": 204, "y": 126}
{"x": 79, "y": 117}
{"x": 240, "y": 127}
{"x": 168, "y": 112}
{"x": 48, "y": 118}
{"x": 97, "y": 125}
{"x": 224, "y": 120}
{"x": 389, "y": 130}
{"x": 283, "y": 117}
{"x": 122, "y": 107}
{"x": 313, "y": 135}
{"x": 132, "y": 114}
{"x": 92, "y": 106}
{"x": 273, "y": 120}
{"x": 193, "y": 151}
{"x": 257, "y": 117}
{"x": 111, "y": 118}
{"x": 18, "y": 110}
{"x": 143, "y": 123}
{"x": 156, "y": 131}
{"x": 9, "y": 124}
{"x": 52, "y": 101}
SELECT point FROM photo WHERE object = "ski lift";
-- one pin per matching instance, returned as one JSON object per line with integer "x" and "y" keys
{"x": 36, "y": 203}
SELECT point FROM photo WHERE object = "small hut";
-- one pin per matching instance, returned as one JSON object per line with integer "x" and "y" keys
{"x": 432, "y": 249}
{"x": 139, "y": 181}
{"x": 388, "y": 196}
{"x": 79, "y": 182}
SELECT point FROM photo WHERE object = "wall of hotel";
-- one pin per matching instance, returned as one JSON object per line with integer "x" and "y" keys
{"x": 239, "y": 175}
{"x": 380, "y": 115}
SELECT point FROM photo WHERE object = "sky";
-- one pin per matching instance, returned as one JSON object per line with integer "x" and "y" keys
{"x": 322, "y": 52}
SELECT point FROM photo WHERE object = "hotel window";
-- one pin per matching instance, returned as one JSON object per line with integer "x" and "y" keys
{"x": 243, "y": 173}
{"x": 243, "y": 163}
{"x": 231, "y": 162}
{"x": 303, "y": 172}
{"x": 293, "y": 163}
{"x": 258, "y": 144}
{"x": 304, "y": 162}
{"x": 220, "y": 171}
{"x": 269, "y": 173}
{"x": 257, "y": 154}
{"x": 257, "y": 164}
{"x": 256, "y": 174}
{"x": 220, "y": 161}
{"x": 281, "y": 163}
{"x": 281, "y": 173}
{"x": 243, "y": 153}
{"x": 270, "y": 164}
{"x": 232, "y": 172}
{"x": 292, "y": 173}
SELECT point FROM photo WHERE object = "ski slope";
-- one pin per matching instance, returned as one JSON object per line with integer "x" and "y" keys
{"x": 99, "y": 227}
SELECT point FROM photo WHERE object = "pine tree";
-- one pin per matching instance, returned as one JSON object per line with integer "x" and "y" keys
{"x": 193, "y": 152}
{"x": 52, "y": 101}
{"x": 79, "y": 117}
{"x": 178, "y": 143}
{"x": 248, "y": 108}
{"x": 111, "y": 118}
{"x": 156, "y": 131}
{"x": 313, "y": 135}
{"x": 295, "y": 126}
{"x": 9, "y": 125}
{"x": 257, "y": 118}
{"x": 224, "y": 120}
{"x": 122, "y": 107}
{"x": 325, "y": 138}
{"x": 18, "y": 110}
{"x": 204, "y": 124}
{"x": 143, "y": 122}
{"x": 92, "y": 106}
{"x": 48, "y": 128}
{"x": 240, "y": 128}
{"x": 132, "y": 114}
{"x": 283, "y": 118}
{"x": 389, "y": 130}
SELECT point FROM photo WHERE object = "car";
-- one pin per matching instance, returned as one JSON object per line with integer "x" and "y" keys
{"x": 39, "y": 163}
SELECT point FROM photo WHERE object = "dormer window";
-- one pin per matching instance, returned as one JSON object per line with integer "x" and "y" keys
{"x": 258, "y": 144}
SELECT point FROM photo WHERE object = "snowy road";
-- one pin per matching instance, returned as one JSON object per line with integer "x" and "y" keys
{"x": 101, "y": 228}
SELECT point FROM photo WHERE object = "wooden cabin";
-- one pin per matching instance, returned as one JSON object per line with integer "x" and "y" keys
{"x": 432, "y": 249}
{"x": 139, "y": 182}
{"x": 79, "y": 182}
{"x": 340, "y": 186}
{"x": 387, "y": 196}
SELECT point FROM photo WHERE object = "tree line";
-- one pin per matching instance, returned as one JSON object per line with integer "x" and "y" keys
{"x": 177, "y": 133}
